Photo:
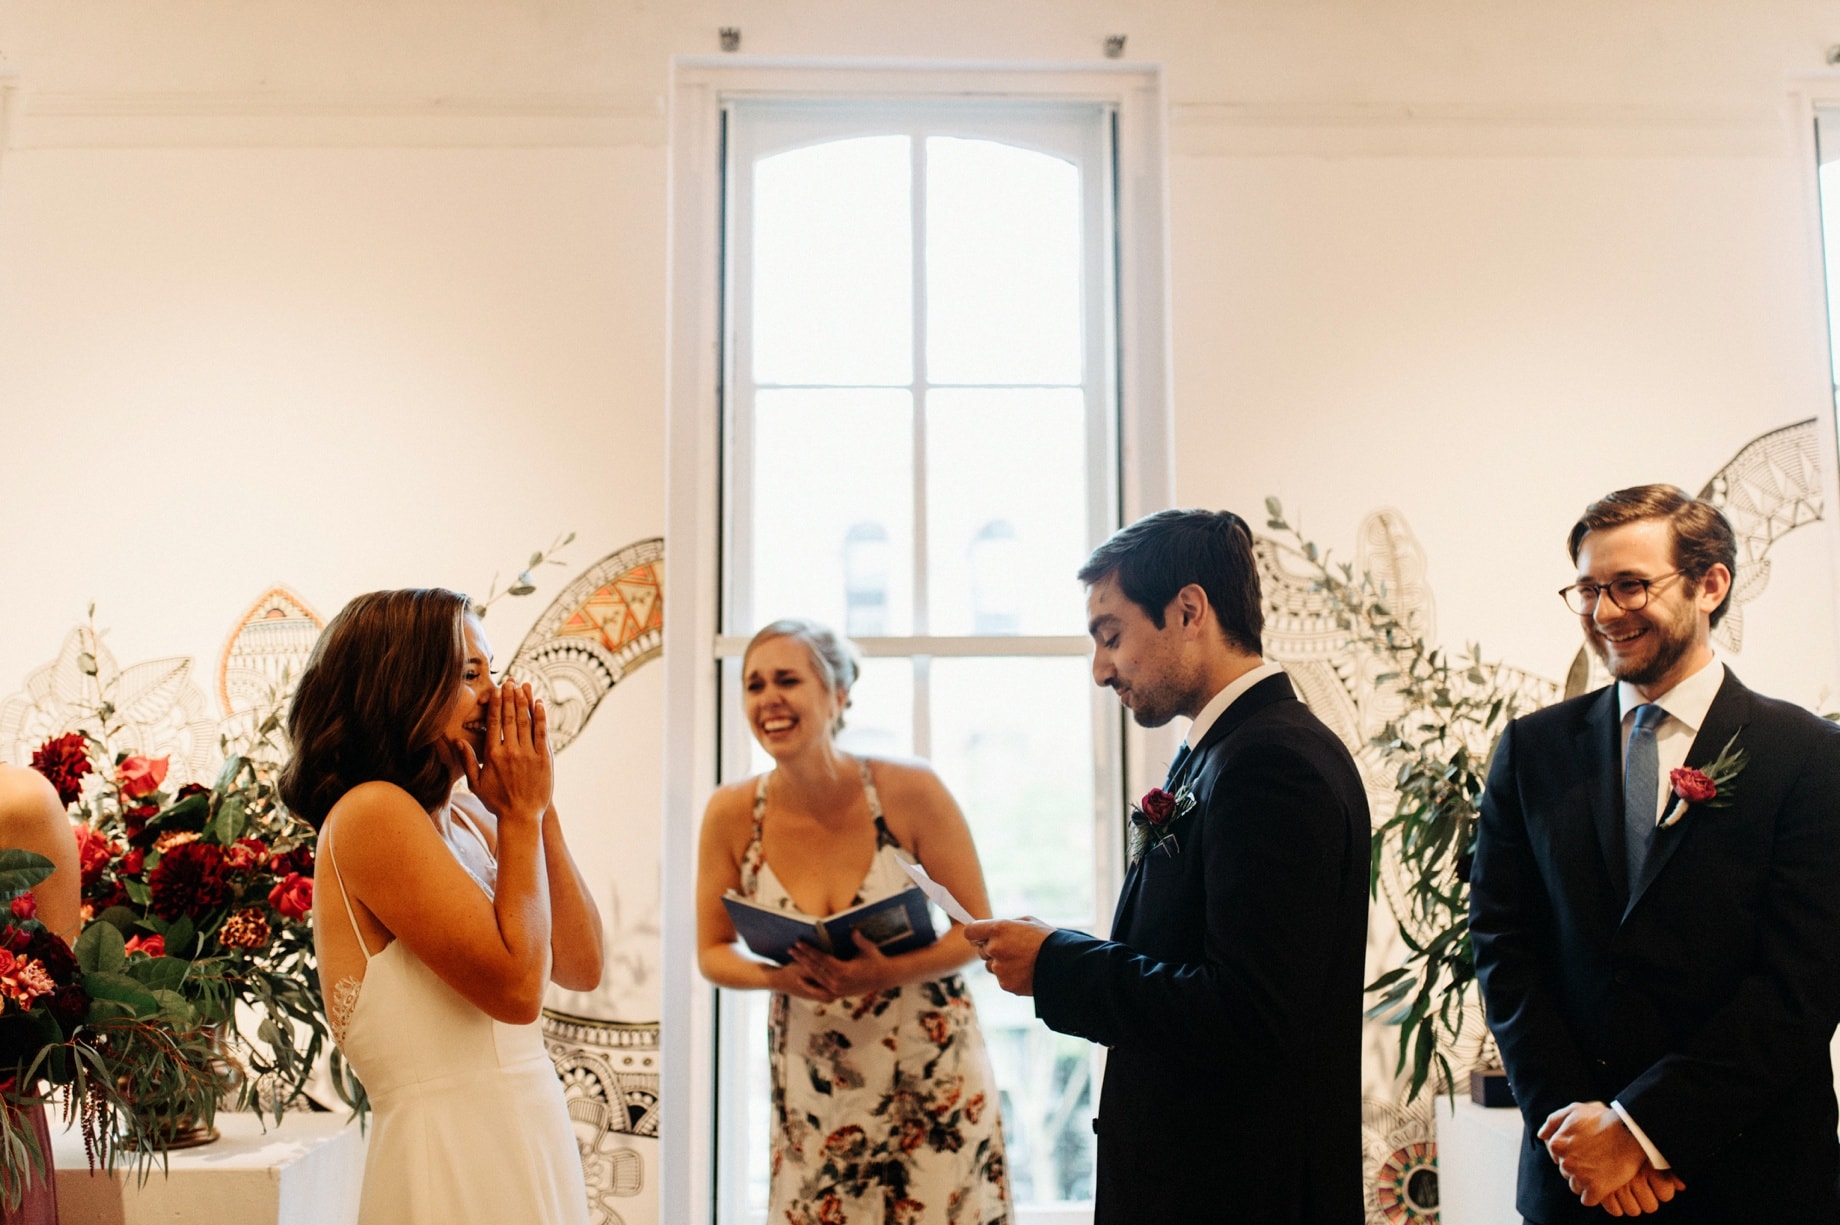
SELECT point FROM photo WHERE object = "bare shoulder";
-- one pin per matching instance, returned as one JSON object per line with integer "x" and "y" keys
{"x": 373, "y": 818}
{"x": 729, "y": 815}
{"x": 27, "y": 790}
{"x": 906, "y": 779}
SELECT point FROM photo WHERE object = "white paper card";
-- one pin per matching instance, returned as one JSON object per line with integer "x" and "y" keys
{"x": 937, "y": 892}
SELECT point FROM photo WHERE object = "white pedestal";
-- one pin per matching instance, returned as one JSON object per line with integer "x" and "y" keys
{"x": 1478, "y": 1154}
{"x": 307, "y": 1170}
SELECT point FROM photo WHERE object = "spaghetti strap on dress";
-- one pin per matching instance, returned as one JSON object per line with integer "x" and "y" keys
{"x": 884, "y": 1109}
{"x": 468, "y": 1123}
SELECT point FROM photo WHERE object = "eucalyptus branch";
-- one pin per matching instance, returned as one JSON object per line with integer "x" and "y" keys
{"x": 525, "y": 583}
{"x": 1452, "y": 710}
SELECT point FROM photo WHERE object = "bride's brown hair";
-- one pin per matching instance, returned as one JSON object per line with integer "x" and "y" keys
{"x": 372, "y": 701}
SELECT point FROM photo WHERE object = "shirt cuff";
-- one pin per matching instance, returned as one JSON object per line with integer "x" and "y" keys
{"x": 1654, "y": 1154}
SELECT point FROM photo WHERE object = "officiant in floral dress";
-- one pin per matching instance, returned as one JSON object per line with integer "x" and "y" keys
{"x": 883, "y": 1105}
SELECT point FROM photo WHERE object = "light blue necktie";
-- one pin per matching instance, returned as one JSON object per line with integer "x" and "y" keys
{"x": 1641, "y": 780}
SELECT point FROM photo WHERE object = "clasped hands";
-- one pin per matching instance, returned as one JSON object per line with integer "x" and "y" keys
{"x": 815, "y": 975}
{"x": 1603, "y": 1162}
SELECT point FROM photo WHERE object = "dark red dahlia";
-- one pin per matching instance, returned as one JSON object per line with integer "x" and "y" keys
{"x": 64, "y": 760}
{"x": 49, "y": 949}
{"x": 134, "y": 820}
{"x": 69, "y": 1005}
{"x": 189, "y": 880}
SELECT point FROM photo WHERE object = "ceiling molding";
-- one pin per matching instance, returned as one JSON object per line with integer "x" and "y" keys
{"x": 1224, "y": 129}
{"x": 124, "y": 119}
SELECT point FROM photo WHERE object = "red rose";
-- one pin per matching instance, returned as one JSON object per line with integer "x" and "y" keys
{"x": 293, "y": 897}
{"x": 152, "y": 946}
{"x": 133, "y": 862}
{"x": 64, "y": 760}
{"x": 94, "y": 852}
{"x": 134, "y": 820}
{"x": 244, "y": 853}
{"x": 25, "y": 906}
{"x": 1157, "y": 806}
{"x": 300, "y": 860}
{"x": 140, "y": 776}
{"x": 1692, "y": 785}
{"x": 189, "y": 790}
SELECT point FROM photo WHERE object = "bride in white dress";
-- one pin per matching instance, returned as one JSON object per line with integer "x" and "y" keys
{"x": 441, "y": 914}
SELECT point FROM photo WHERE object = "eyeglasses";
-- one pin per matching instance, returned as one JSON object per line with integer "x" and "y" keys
{"x": 1628, "y": 594}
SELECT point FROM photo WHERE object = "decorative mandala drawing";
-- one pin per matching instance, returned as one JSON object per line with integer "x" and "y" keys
{"x": 609, "y": 1072}
{"x": 1401, "y": 1159}
{"x": 604, "y": 624}
{"x": 158, "y": 708}
{"x": 263, "y": 658}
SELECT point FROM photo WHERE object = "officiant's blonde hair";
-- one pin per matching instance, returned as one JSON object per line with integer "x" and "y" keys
{"x": 836, "y": 658}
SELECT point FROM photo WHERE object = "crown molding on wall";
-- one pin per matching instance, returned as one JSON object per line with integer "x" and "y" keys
{"x": 1400, "y": 129}
{"x": 123, "y": 119}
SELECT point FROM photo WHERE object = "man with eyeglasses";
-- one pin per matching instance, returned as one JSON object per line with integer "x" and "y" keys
{"x": 1655, "y": 904}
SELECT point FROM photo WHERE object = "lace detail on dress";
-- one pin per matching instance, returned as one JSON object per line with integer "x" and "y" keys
{"x": 345, "y": 994}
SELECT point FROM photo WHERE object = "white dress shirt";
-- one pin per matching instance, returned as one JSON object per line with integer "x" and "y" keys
{"x": 1217, "y": 705}
{"x": 1686, "y": 705}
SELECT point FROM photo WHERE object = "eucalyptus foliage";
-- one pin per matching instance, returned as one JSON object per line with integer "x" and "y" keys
{"x": 1452, "y": 709}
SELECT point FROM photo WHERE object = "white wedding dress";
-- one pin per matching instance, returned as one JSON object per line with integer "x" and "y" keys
{"x": 468, "y": 1123}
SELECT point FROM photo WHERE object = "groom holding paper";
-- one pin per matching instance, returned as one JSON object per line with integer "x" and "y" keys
{"x": 1230, "y": 990}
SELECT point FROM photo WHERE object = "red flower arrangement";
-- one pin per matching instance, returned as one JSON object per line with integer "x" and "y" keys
{"x": 215, "y": 881}
{"x": 74, "y": 1019}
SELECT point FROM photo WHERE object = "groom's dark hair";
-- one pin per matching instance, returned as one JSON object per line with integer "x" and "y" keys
{"x": 1162, "y": 553}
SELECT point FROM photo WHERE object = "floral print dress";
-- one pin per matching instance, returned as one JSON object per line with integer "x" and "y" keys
{"x": 883, "y": 1106}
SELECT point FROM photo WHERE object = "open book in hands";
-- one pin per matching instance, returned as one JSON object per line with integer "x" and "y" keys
{"x": 896, "y": 924}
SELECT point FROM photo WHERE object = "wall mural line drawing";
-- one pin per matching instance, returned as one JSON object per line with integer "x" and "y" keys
{"x": 1769, "y": 488}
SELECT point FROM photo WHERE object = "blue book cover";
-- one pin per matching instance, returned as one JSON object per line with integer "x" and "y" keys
{"x": 899, "y": 923}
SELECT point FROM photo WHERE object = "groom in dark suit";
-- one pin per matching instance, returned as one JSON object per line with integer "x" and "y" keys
{"x": 1655, "y": 905}
{"x": 1230, "y": 991}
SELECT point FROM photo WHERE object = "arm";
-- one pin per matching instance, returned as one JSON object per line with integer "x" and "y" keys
{"x": 720, "y": 955}
{"x": 1278, "y": 851}
{"x": 576, "y": 952}
{"x": 33, "y": 819}
{"x": 577, "y": 942}
{"x": 1764, "y": 1040}
{"x": 491, "y": 950}
{"x": 930, "y": 822}
{"x": 1510, "y": 921}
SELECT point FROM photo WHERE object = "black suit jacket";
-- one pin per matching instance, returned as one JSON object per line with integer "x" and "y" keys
{"x": 1230, "y": 992}
{"x": 1702, "y": 996}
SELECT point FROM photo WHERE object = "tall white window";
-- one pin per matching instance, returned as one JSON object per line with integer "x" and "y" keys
{"x": 919, "y": 448}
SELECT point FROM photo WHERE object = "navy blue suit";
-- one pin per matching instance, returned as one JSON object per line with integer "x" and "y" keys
{"x": 1230, "y": 991}
{"x": 1702, "y": 996}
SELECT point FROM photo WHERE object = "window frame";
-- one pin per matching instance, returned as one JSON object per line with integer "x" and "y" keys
{"x": 700, "y": 90}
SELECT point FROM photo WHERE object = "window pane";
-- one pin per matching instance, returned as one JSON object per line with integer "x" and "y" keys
{"x": 1012, "y": 739}
{"x": 832, "y": 510}
{"x": 833, "y": 255}
{"x": 1003, "y": 264}
{"x": 1006, "y": 511}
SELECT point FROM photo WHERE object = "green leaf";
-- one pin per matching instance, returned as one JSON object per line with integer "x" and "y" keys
{"x": 231, "y": 820}
{"x": 101, "y": 949}
{"x": 159, "y": 973}
{"x": 108, "y": 985}
{"x": 176, "y": 1010}
{"x": 233, "y": 766}
{"x": 138, "y": 892}
{"x": 179, "y": 936}
{"x": 20, "y": 871}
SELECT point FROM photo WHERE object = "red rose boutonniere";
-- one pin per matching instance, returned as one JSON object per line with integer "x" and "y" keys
{"x": 1711, "y": 787}
{"x": 1153, "y": 820}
